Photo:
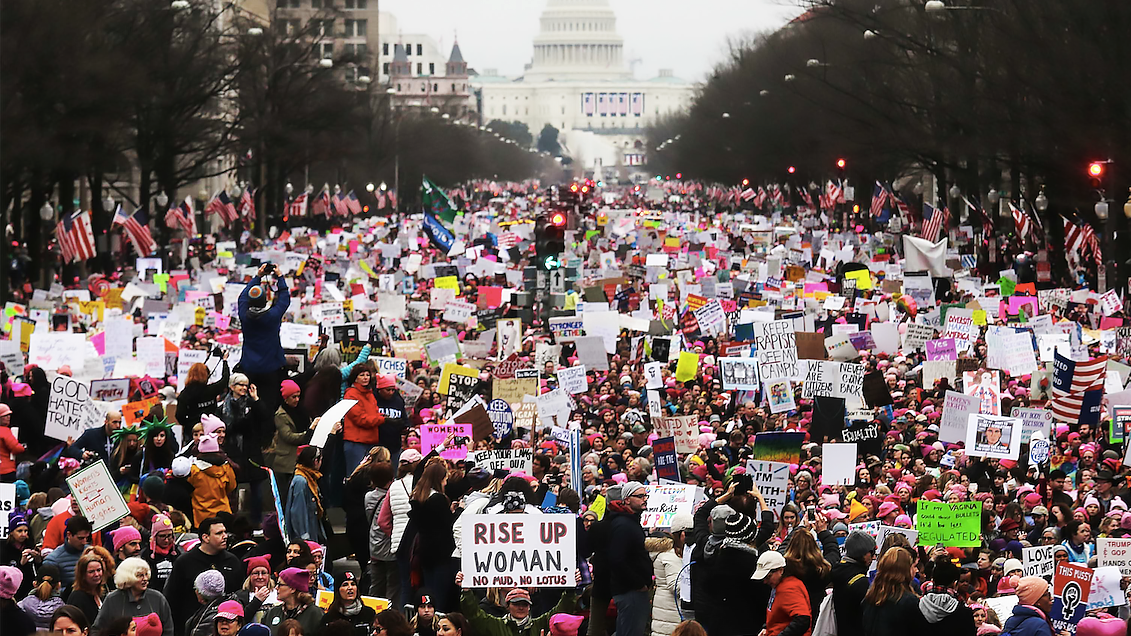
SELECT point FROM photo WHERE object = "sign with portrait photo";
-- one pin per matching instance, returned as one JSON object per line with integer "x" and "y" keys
{"x": 993, "y": 436}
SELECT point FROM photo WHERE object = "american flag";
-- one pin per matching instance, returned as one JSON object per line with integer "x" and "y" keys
{"x": 508, "y": 240}
{"x": 904, "y": 209}
{"x": 392, "y": 199}
{"x": 137, "y": 230}
{"x": 1022, "y": 220}
{"x": 880, "y": 197}
{"x": 380, "y": 200}
{"x": 298, "y": 206}
{"x": 320, "y": 204}
{"x": 760, "y": 199}
{"x": 75, "y": 236}
{"x": 175, "y": 218}
{"x": 1081, "y": 238}
{"x": 222, "y": 205}
{"x": 808, "y": 198}
{"x": 1077, "y": 389}
{"x": 339, "y": 204}
{"x": 247, "y": 203}
{"x": 938, "y": 220}
{"x": 352, "y": 203}
{"x": 748, "y": 194}
{"x": 777, "y": 195}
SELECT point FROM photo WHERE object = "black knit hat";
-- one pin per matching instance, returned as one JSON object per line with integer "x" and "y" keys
{"x": 741, "y": 527}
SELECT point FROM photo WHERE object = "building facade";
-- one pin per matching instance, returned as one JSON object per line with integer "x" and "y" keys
{"x": 346, "y": 28}
{"x": 579, "y": 82}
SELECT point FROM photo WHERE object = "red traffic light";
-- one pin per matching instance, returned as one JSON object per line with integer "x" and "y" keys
{"x": 557, "y": 219}
{"x": 1096, "y": 169}
{"x": 679, "y": 175}
{"x": 791, "y": 170}
{"x": 840, "y": 163}
{"x": 746, "y": 182}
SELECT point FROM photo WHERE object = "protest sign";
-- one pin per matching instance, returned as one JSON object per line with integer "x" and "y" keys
{"x": 960, "y": 326}
{"x": 390, "y": 366}
{"x": 431, "y": 435}
{"x": 993, "y": 436}
{"x": 831, "y": 379}
{"x": 98, "y": 497}
{"x": 573, "y": 379}
{"x": 685, "y": 430}
{"x": 778, "y": 446}
{"x": 69, "y": 410}
{"x": 525, "y": 415}
{"x": 663, "y": 450}
{"x": 512, "y": 391}
{"x": 459, "y": 384}
{"x": 739, "y": 373}
{"x": 1032, "y": 420}
{"x": 664, "y": 503}
{"x": 779, "y": 394}
{"x": 1037, "y": 560}
{"x": 50, "y": 350}
{"x": 515, "y": 460}
{"x": 1071, "y": 586}
{"x": 518, "y": 550}
{"x": 777, "y": 349}
{"x": 942, "y": 349}
{"x": 332, "y": 416}
{"x": 838, "y": 467}
{"x": 884, "y": 531}
{"x": 553, "y": 408}
{"x": 1106, "y": 590}
{"x": 1115, "y": 552}
{"x": 1001, "y": 605}
{"x": 772, "y": 480}
{"x": 567, "y": 328}
{"x": 917, "y": 336}
{"x": 7, "y": 505}
{"x": 113, "y": 390}
{"x": 956, "y": 412}
{"x": 502, "y": 417}
{"x": 956, "y": 524}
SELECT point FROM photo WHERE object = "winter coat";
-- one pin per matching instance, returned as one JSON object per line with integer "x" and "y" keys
{"x": 346, "y": 369}
{"x": 9, "y": 448}
{"x": 302, "y": 513}
{"x": 362, "y": 622}
{"x": 201, "y": 622}
{"x": 379, "y": 541}
{"x": 944, "y": 615}
{"x": 666, "y": 567}
{"x": 485, "y": 625}
{"x": 179, "y": 588}
{"x": 310, "y": 618}
{"x": 891, "y": 618}
{"x": 630, "y": 567}
{"x": 815, "y": 584}
{"x": 16, "y": 622}
{"x": 210, "y": 487}
{"x": 473, "y": 504}
{"x": 433, "y": 520}
{"x": 249, "y": 429}
{"x": 262, "y": 348}
{"x": 121, "y": 603}
{"x": 400, "y": 494}
{"x": 738, "y": 603}
{"x": 39, "y": 610}
{"x": 65, "y": 558}
{"x": 396, "y": 419}
{"x": 284, "y": 448}
{"x": 198, "y": 399}
{"x": 363, "y": 420}
{"x": 1026, "y": 621}
{"x": 850, "y": 584}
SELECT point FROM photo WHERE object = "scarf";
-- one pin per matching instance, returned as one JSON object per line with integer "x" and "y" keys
{"x": 520, "y": 623}
{"x": 352, "y": 609}
{"x": 312, "y": 476}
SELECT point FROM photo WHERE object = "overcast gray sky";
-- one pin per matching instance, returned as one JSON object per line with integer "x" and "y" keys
{"x": 688, "y": 36}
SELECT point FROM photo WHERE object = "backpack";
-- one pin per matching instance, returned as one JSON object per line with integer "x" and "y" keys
{"x": 826, "y": 619}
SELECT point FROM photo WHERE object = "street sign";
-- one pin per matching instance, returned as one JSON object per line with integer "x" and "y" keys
{"x": 557, "y": 282}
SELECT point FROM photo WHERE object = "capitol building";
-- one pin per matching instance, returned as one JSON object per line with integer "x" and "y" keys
{"x": 580, "y": 82}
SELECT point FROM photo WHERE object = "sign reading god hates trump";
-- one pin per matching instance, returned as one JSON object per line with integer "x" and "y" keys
{"x": 510, "y": 550}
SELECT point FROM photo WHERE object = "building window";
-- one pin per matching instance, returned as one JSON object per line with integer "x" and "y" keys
{"x": 453, "y": 87}
{"x": 435, "y": 88}
{"x": 325, "y": 28}
{"x": 322, "y": 4}
{"x": 420, "y": 68}
{"x": 357, "y": 50}
{"x": 424, "y": 88}
{"x": 431, "y": 68}
{"x": 385, "y": 49}
{"x": 398, "y": 88}
{"x": 288, "y": 4}
{"x": 356, "y": 28}
{"x": 420, "y": 49}
{"x": 408, "y": 49}
{"x": 357, "y": 4}
{"x": 385, "y": 68}
{"x": 289, "y": 27}
{"x": 327, "y": 50}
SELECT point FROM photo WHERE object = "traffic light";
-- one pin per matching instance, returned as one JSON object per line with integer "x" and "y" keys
{"x": 549, "y": 240}
{"x": 1096, "y": 170}
{"x": 791, "y": 169}
{"x": 841, "y": 163}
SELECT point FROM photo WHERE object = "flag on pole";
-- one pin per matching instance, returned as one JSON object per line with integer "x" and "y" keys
{"x": 75, "y": 236}
{"x": 440, "y": 236}
{"x": 436, "y": 202}
{"x": 175, "y": 218}
{"x": 352, "y": 204}
{"x": 247, "y": 203}
{"x": 1081, "y": 238}
{"x": 748, "y": 194}
{"x": 223, "y": 206}
{"x": 63, "y": 236}
{"x": 380, "y": 200}
{"x": 880, "y": 197}
{"x": 1077, "y": 389}
{"x": 392, "y": 197}
{"x": 339, "y": 204}
{"x": 1021, "y": 220}
{"x": 137, "y": 230}
{"x": 935, "y": 223}
{"x": 320, "y": 204}
{"x": 297, "y": 207}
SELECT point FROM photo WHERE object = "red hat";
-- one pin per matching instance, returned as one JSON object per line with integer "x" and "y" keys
{"x": 149, "y": 625}
{"x": 1007, "y": 525}
{"x": 288, "y": 388}
{"x": 518, "y": 595}
{"x": 256, "y": 562}
{"x": 386, "y": 381}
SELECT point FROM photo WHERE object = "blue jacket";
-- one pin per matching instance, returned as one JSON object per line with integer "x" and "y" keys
{"x": 93, "y": 439}
{"x": 262, "y": 349}
{"x": 1026, "y": 621}
{"x": 64, "y": 557}
{"x": 302, "y": 513}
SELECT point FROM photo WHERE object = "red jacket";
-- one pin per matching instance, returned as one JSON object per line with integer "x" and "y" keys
{"x": 362, "y": 421}
{"x": 9, "y": 448}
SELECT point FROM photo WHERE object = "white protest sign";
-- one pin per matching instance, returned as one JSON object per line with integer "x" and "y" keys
{"x": 653, "y": 371}
{"x": 332, "y": 416}
{"x": 1032, "y": 420}
{"x": 50, "y": 350}
{"x": 740, "y": 373}
{"x": 911, "y": 534}
{"x": 772, "y": 480}
{"x": 664, "y": 503}
{"x": 960, "y": 326}
{"x": 685, "y": 430}
{"x": 185, "y": 359}
{"x": 293, "y": 335}
{"x": 518, "y": 550}
{"x": 1017, "y": 353}
{"x": 1037, "y": 561}
{"x": 777, "y": 349}
{"x": 69, "y": 409}
{"x": 831, "y": 379}
{"x": 7, "y": 505}
{"x": 838, "y": 467}
{"x": 993, "y": 436}
{"x": 391, "y": 366}
{"x": 458, "y": 311}
{"x": 957, "y": 408}
{"x": 1114, "y": 552}
{"x": 515, "y": 460}
{"x": 113, "y": 390}
{"x": 573, "y": 379}
{"x": 917, "y": 336}
{"x": 98, "y": 497}
{"x": 151, "y": 353}
{"x": 1105, "y": 589}
{"x": 12, "y": 357}
{"x": 553, "y": 408}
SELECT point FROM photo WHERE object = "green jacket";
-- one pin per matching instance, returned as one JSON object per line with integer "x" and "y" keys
{"x": 483, "y": 624}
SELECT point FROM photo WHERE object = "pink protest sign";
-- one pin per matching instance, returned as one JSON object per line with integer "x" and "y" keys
{"x": 1017, "y": 302}
{"x": 433, "y": 434}
{"x": 942, "y": 349}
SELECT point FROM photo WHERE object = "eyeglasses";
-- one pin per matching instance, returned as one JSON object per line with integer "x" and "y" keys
{"x": 644, "y": 496}
{"x": 240, "y": 384}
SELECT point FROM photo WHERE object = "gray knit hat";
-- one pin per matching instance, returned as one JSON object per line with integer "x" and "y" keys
{"x": 210, "y": 584}
{"x": 858, "y": 544}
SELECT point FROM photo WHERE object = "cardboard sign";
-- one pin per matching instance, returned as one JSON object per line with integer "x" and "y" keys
{"x": 738, "y": 373}
{"x": 1071, "y": 586}
{"x": 518, "y": 550}
{"x": 777, "y": 349}
{"x": 772, "y": 480}
{"x": 432, "y": 435}
{"x": 1038, "y": 561}
{"x": 514, "y": 460}
{"x": 7, "y": 505}
{"x": 69, "y": 409}
{"x": 993, "y": 436}
{"x": 114, "y": 390}
{"x": 1115, "y": 552}
{"x": 97, "y": 496}
{"x": 951, "y": 524}
{"x": 685, "y": 430}
{"x": 664, "y": 503}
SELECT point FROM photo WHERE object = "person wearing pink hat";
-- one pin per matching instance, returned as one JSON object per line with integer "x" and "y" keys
{"x": 161, "y": 552}
{"x": 212, "y": 478}
{"x": 295, "y": 602}
{"x": 1102, "y": 625}
{"x": 127, "y": 542}
{"x": 887, "y": 513}
{"x": 1031, "y": 614}
{"x": 293, "y": 428}
{"x": 9, "y": 446}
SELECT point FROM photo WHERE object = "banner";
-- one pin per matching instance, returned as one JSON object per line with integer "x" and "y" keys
{"x": 1114, "y": 552}
{"x": 664, "y": 453}
{"x": 518, "y": 550}
{"x": 1071, "y": 585}
{"x": 514, "y": 460}
{"x": 951, "y": 524}
{"x": 98, "y": 497}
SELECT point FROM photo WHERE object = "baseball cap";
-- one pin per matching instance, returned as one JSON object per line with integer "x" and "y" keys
{"x": 230, "y": 610}
{"x": 768, "y": 562}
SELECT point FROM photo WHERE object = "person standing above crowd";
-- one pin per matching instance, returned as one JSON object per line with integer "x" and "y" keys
{"x": 292, "y": 429}
{"x": 263, "y": 360}
{"x": 361, "y": 429}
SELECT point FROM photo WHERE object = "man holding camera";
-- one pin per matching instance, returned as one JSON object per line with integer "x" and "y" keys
{"x": 263, "y": 361}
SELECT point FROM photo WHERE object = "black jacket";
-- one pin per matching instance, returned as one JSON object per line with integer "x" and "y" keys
{"x": 850, "y": 584}
{"x": 179, "y": 590}
{"x": 197, "y": 399}
{"x": 629, "y": 566}
{"x": 891, "y": 618}
{"x": 433, "y": 520}
{"x": 362, "y": 622}
{"x": 738, "y": 603}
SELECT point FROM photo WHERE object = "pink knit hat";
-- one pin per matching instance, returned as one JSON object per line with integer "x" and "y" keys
{"x": 1103, "y": 625}
{"x": 1030, "y": 589}
{"x": 124, "y": 535}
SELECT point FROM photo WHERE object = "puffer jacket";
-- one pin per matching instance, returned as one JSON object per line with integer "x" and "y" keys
{"x": 666, "y": 567}
{"x": 39, "y": 610}
{"x": 210, "y": 487}
{"x": 1027, "y": 621}
{"x": 473, "y": 504}
{"x": 944, "y": 615}
{"x": 400, "y": 496}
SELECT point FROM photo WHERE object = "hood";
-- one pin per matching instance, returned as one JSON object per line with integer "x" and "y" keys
{"x": 46, "y": 512}
{"x": 658, "y": 544}
{"x": 936, "y": 606}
